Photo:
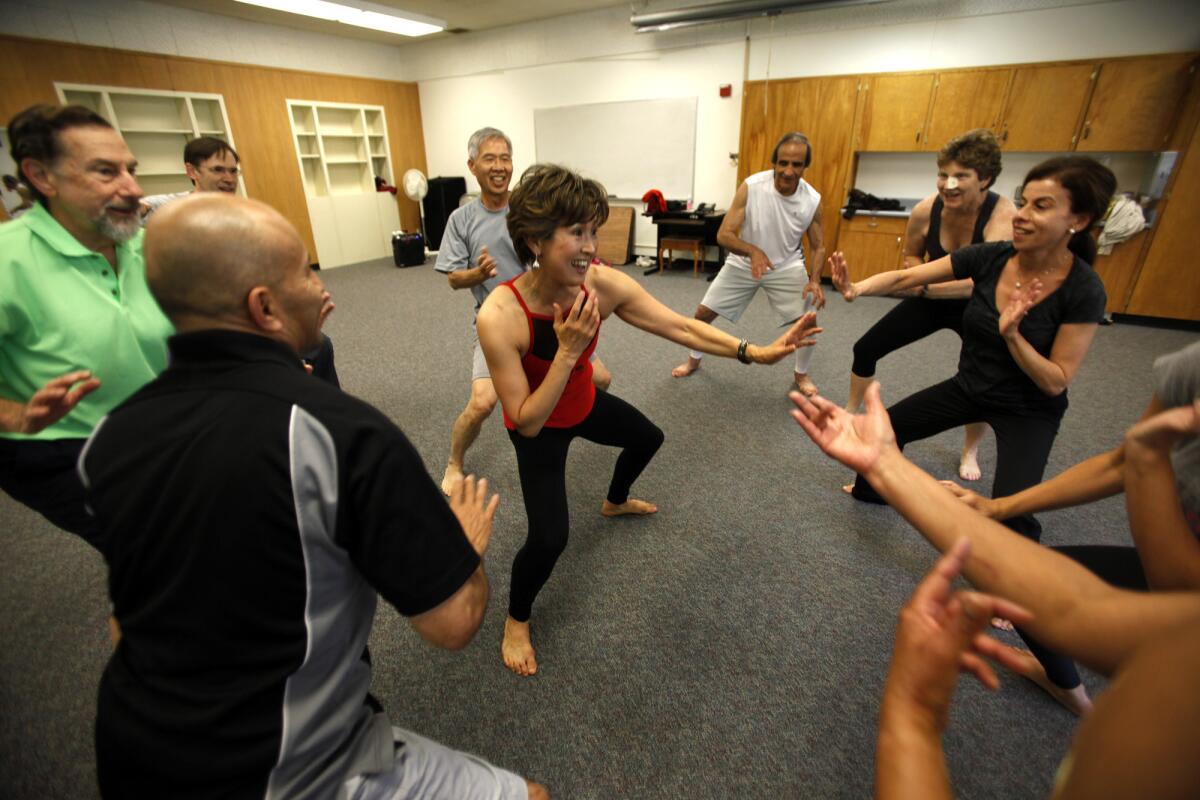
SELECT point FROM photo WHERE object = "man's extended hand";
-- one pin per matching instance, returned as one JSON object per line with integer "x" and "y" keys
{"x": 469, "y": 502}
{"x": 856, "y": 440}
{"x": 759, "y": 263}
{"x": 818, "y": 294}
{"x": 939, "y": 634}
{"x": 53, "y": 402}
{"x": 485, "y": 264}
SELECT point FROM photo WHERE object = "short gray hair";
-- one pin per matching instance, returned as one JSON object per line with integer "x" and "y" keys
{"x": 482, "y": 135}
{"x": 798, "y": 138}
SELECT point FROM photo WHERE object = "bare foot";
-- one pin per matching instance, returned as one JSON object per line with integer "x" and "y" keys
{"x": 686, "y": 368}
{"x": 537, "y": 791}
{"x": 1074, "y": 700}
{"x": 968, "y": 465}
{"x": 848, "y": 488}
{"x": 517, "y": 649}
{"x": 452, "y": 475}
{"x": 804, "y": 384}
{"x": 635, "y": 507}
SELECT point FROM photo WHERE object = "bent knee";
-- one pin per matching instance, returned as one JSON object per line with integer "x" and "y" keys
{"x": 537, "y": 791}
{"x": 705, "y": 314}
{"x": 865, "y": 359}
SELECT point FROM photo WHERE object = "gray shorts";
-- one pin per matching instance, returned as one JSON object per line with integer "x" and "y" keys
{"x": 426, "y": 770}
{"x": 734, "y": 287}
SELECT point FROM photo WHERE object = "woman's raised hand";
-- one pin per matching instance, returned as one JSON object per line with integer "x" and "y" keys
{"x": 578, "y": 324}
{"x": 1019, "y": 303}
{"x": 841, "y": 276}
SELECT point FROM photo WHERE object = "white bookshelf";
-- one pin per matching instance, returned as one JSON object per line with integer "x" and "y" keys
{"x": 156, "y": 125}
{"x": 340, "y": 149}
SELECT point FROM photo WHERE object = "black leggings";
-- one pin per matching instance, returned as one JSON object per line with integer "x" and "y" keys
{"x": 542, "y": 461}
{"x": 910, "y": 320}
{"x": 1117, "y": 565}
{"x": 1023, "y": 441}
{"x": 43, "y": 476}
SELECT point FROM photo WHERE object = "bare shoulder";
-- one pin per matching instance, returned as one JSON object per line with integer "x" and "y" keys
{"x": 613, "y": 285}
{"x": 923, "y": 210}
{"x": 500, "y": 308}
{"x": 999, "y": 225}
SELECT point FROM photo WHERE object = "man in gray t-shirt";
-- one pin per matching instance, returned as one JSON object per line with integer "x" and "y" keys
{"x": 477, "y": 254}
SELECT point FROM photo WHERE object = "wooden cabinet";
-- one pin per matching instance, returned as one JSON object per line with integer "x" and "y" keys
{"x": 1136, "y": 103}
{"x": 1118, "y": 270}
{"x": 1045, "y": 106}
{"x": 895, "y": 111}
{"x": 872, "y": 244}
{"x": 964, "y": 100}
{"x": 1168, "y": 284}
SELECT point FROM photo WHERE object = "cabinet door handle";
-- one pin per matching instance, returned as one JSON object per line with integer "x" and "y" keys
{"x": 1004, "y": 138}
{"x": 1087, "y": 129}
{"x": 918, "y": 137}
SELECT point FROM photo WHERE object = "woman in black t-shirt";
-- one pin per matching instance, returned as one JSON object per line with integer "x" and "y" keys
{"x": 962, "y": 211}
{"x": 1029, "y": 322}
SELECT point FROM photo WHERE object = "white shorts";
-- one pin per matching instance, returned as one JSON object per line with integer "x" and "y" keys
{"x": 426, "y": 770}
{"x": 734, "y": 287}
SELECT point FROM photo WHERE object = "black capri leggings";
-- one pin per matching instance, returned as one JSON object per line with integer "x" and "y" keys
{"x": 542, "y": 461}
{"x": 910, "y": 320}
{"x": 1023, "y": 441}
{"x": 1114, "y": 564}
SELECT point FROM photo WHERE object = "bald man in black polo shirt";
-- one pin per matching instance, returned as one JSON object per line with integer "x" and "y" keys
{"x": 249, "y": 513}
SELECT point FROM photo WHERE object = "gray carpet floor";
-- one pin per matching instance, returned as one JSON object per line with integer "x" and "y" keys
{"x": 735, "y": 644}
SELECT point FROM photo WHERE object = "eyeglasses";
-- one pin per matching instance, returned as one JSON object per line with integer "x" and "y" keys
{"x": 221, "y": 172}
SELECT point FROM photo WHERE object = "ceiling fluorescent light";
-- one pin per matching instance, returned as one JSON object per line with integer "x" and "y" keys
{"x": 360, "y": 14}
{"x": 727, "y": 11}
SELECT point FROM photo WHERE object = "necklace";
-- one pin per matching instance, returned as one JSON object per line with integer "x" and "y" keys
{"x": 1040, "y": 274}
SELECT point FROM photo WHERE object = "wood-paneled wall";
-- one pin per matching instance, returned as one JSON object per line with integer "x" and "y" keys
{"x": 254, "y": 99}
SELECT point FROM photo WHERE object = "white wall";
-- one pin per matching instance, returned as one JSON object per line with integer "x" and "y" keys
{"x": 157, "y": 28}
{"x": 498, "y": 77}
{"x": 453, "y": 108}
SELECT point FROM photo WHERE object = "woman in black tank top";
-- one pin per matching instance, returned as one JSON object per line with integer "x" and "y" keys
{"x": 967, "y": 167}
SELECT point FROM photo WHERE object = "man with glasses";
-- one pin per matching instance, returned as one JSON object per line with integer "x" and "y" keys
{"x": 214, "y": 166}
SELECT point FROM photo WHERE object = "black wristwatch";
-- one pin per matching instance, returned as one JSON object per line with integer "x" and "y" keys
{"x": 741, "y": 353}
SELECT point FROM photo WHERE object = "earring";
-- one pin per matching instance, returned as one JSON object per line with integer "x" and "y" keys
{"x": 535, "y": 264}
{"x": 1071, "y": 231}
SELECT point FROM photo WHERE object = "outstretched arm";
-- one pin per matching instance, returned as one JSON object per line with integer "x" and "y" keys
{"x": 1075, "y": 612}
{"x": 639, "y": 308}
{"x": 885, "y": 283}
{"x": 1092, "y": 479}
{"x": 1169, "y": 550}
{"x": 48, "y": 405}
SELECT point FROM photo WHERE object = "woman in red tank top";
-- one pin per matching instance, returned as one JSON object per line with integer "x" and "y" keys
{"x": 538, "y": 333}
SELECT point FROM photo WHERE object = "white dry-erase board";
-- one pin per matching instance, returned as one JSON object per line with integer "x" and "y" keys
{"x": 630, "y": 146}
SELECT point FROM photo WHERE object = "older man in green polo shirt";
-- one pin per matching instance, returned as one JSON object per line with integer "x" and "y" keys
{"x": 79, "y": 330}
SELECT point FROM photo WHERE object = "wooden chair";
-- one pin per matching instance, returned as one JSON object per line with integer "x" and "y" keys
{"x": 693, "y": 246}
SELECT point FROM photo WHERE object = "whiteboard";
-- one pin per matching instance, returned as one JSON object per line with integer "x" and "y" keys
{"x": 630, "y": 146}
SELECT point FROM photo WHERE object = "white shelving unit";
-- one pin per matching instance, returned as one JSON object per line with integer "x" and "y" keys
{"x": 156, "y": 125}
{"x": 340, "y": 149}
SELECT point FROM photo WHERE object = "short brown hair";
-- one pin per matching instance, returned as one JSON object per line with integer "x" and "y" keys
{"x": 200, "y": 150}
{"x": 549, "y": 197}
{"x": 978, "y": 150}
{"x": 33, "y": 133}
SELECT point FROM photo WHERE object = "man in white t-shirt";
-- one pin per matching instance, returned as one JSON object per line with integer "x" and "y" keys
{"x": 762, "y": 230}
{"x": 476, "y": 253}
{"x": 211, "y": 164}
